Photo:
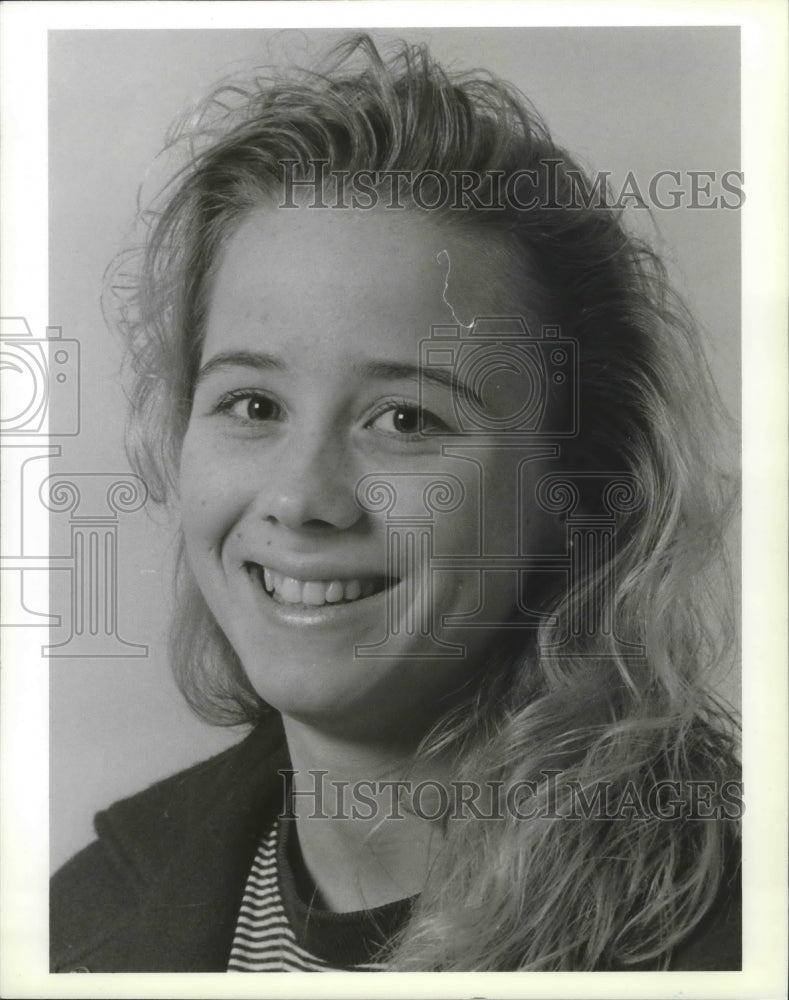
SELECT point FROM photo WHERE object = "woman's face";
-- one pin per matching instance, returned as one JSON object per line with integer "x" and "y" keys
{"x": 310, "y": 384}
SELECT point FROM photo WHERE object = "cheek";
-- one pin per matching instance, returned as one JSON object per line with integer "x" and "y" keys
{"x": 458, "y": 532}
{"x": 211, "y": 495}
{"x": 499, "y": 517}
{"x": 490, "y": 518}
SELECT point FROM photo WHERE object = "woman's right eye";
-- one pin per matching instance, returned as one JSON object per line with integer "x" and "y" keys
{"x": 249, "y": 406}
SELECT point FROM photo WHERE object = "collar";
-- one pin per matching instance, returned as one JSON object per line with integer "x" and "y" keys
{"x": 187, "y": 845}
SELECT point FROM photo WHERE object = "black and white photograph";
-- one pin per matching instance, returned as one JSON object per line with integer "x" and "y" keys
{"x": 391, "y": 512}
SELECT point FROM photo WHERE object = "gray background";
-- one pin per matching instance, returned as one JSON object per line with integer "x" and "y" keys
{"x": 621, "y": 99}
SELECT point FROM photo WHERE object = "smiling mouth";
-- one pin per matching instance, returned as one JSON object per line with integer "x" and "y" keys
{"x": 315, "y": 593}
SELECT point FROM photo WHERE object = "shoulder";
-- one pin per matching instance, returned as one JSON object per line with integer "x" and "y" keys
{"x": 141, "y": 825}
{"x": 147, "y": 841}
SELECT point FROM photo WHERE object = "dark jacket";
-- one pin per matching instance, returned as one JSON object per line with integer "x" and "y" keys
{"x": 160, "y": 890}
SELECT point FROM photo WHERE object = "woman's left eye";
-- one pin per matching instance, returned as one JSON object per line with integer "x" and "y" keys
{"x": 407, "y": 420}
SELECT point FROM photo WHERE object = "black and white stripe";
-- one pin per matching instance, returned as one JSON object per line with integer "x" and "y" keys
{"x": 264, "y": 940}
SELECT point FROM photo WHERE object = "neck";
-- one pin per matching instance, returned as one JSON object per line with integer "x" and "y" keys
{"x": 360, "y": 842}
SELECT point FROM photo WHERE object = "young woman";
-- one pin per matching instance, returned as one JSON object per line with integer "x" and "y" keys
{"x": 438, "y": 433}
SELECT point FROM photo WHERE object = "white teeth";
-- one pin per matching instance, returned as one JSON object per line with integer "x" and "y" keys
{"x": 314, "y": 593}
{"x": 334, "y": 592}
{"x": 289, "y": 590}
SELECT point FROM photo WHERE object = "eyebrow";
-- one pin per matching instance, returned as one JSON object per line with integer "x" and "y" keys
{"x": 239, "y": 359}
{"x": 413, "y": 373}
{"x": 379, "y": 370}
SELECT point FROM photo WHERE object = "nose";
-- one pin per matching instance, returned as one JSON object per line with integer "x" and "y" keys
{"x": 310, "y": 485}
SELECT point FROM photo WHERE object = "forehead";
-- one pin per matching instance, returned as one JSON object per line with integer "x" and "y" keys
{"x": 296, "y": 270}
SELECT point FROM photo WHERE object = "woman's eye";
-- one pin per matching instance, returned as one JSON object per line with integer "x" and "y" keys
{"x": 260, "y": 408}
{"x": 251, "y": 407}
{"x": 406, "y": 420}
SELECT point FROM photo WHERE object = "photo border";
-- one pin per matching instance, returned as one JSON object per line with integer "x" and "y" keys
{"x": 24, "y": 727}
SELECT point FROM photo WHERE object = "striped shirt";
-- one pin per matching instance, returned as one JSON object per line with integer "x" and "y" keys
{"x": 278, "y": 931}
